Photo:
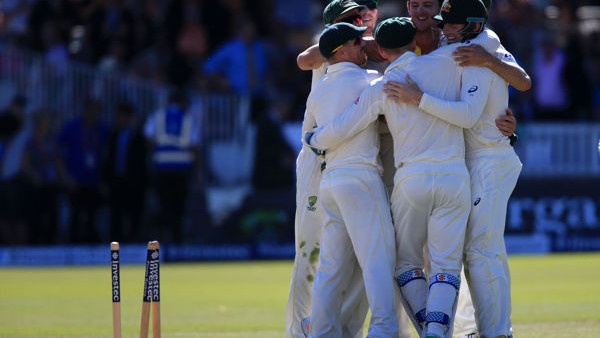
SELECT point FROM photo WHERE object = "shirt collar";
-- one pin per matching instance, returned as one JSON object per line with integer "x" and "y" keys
{"x": 401, "y": 61}
{"x": 340, "y": 66}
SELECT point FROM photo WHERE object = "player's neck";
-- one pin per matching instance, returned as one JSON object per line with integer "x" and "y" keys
{"x": 427, "y": 41}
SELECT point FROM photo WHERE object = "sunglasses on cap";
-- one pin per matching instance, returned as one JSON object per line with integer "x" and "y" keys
{"x": 355, "y": 42}
{"x": 355, "y": 20}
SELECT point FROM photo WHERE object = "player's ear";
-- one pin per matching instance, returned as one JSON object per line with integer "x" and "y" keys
{"x": 381, "y": 52}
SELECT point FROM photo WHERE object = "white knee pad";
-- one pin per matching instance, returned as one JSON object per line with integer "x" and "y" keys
{"x": 413, "y": 293}
{"x": 441, "y": 304}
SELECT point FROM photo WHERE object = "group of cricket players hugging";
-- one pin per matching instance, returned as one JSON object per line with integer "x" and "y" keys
{"x": 405, "y": 174}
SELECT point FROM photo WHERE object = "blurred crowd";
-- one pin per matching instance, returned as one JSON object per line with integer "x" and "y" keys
{"x": 249, "y": 47}
{"x": 232, "y": 46}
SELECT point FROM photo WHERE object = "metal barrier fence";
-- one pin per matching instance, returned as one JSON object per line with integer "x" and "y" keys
{"x": 62, "y": 88}
{"x": 559, "y": 149}
{"x": 546, "y": 149}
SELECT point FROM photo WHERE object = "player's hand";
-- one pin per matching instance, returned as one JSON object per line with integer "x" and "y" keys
{"x": 306, "y": 140}
{"x": 473, "y": 55}
{"x": 507, "y": 124}
{"x": 372, "y": 50}
{"x": 404, "y": 93}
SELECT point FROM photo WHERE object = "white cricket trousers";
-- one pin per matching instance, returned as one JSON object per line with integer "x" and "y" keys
{"x": 464, "y": 319}
{"x": 357, "y": 224}
{"x": 308, "y": 225}
{"x": 494, "y": 174}
{"x": 386, "y": 154}
{"x": 430, "y": 206}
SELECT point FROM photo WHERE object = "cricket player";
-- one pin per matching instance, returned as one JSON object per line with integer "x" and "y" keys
{"x": 357, "y": 219}
{"x": 312, "y": 59}
{"x": 308, "y": 221}
{"x": 428, "y": 39}
{"x": 430, "y": 202}
{"x": 494, "y": 169}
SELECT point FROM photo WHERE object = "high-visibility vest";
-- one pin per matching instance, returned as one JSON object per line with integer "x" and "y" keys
{"x": 173, "y": 139}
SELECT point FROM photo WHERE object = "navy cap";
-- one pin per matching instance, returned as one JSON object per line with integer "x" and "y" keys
{"x": 462, "y": 12}
{"x": 395, "y": 32}
{"x": 336, "y": 36}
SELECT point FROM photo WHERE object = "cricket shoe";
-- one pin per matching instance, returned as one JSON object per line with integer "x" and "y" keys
{"x": 305, "y": 324}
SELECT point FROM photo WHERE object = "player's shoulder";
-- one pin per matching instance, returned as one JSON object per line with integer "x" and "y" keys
{"x": 487, "y": 39}
{"x": 377, "y": 82}
{"x": 442, "y": 52}
{"x": 361, "y": 74}
{"x": 372, "y": 75}
{"x": 371, "y": 92}
{"x": 504, "y": 55}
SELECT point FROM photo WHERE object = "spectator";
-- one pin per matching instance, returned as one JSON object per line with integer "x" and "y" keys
{"x": 80, "y": 143}
{"x": 173, "y": 133}
{"x": 13, "y": 186}
{"x": 577, "y": 81}
{"x": 126, "y": 176}
{"x": 16, "y": 14}
{"x": 57, "y": 53}
{"x": 274, "y": 163}
{"x": 40, "y": 169}
{"x": 551, "y": 98}
{"x": 116, "y": 59}
{"x": 240, "y": 66}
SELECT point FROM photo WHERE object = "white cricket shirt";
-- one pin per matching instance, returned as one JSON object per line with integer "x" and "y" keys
{"x": 483, "y": 98}
{"x": 417, "y": 136}
{"x": 328, "y": 99}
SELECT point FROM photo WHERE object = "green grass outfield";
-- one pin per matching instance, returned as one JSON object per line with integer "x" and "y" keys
{"x": 553, "y": 296}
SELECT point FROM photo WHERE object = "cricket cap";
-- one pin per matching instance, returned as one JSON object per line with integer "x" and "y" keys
{"x": 337, "y": 8}
{"x": 336, "y": 36}
{"x": 462, "y": 12}
{"x": 394, "y": 32}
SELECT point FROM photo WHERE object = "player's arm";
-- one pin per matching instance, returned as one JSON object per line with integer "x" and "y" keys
{"x": 357, "y": 117}
{"x": 507, "y": 124}
{"x": 463, "y": 113}
{"x": 310, "y": 59}
{"x": 511, "y": 72}
{"x": 309, "y": 122}
{"x": 487, "y": 39}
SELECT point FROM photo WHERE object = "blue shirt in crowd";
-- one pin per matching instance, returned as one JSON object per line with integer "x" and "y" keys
{"x": 81, "y": 148}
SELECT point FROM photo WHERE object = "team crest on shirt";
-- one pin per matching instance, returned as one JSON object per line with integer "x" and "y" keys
{"x": 472, "y": 90}
{"x": 312, "y": 200}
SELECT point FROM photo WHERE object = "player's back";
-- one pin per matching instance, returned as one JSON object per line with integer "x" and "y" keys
{"x": 419, "y": 136}
{"x": 330, "y": 97}
{"x": 484, "y": 134}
